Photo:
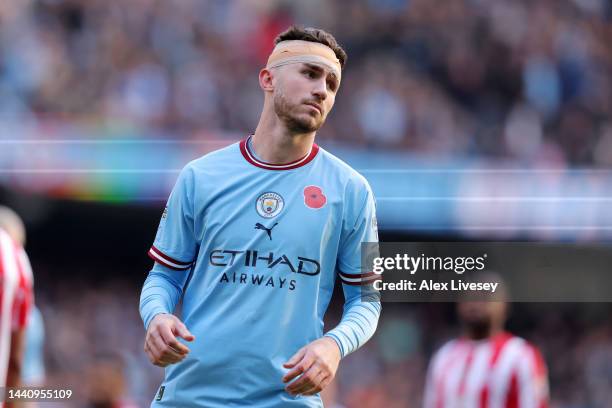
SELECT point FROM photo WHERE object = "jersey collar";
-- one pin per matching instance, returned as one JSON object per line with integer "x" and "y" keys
{"x": 251, "y": 158}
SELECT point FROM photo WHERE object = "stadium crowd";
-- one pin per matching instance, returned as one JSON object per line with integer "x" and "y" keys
{"x": 517, "y": 79}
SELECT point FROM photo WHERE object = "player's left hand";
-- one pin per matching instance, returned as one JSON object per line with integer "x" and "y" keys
{"x": 317, "y": 363}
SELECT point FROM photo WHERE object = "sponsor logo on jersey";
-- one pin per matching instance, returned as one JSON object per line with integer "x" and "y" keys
{"x": 269, "y": 204}
{"x": 260, "y": 226}
{"x": 253, "y": 258}
{"x": 314, "y": 197}
{"x": 257, "y": 279}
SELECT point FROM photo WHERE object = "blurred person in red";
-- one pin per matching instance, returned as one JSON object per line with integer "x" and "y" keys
{"x": 487, "y": 367}
{"x": 16, "y": 297}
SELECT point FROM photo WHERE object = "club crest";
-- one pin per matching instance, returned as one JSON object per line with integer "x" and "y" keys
{"x": 269, "y": 204}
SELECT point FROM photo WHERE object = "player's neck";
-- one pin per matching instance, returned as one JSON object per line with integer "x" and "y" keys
{"x": 274, "y": 143}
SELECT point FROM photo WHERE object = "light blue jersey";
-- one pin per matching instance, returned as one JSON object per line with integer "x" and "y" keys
{"x": 254, "y": 250}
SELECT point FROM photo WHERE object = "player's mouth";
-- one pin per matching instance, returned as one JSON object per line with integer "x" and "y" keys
{"x": 316, "y": 106}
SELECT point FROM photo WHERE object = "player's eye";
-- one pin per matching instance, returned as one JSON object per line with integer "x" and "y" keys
{"x": 310, "y": 73}
{"x": 332, "y": 85}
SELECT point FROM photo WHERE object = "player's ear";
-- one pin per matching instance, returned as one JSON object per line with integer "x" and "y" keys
{"x": 265, "y": 80}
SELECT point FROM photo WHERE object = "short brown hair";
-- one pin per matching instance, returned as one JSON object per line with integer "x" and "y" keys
{"x": 314, "y": 35}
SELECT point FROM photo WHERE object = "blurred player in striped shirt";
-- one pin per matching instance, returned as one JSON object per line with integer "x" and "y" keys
{"x": 486, "y": 367}
{"x": 16, "y": 297}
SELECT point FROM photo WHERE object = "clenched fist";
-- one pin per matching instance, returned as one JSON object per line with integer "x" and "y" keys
{"x": 317, "y": 363}
{"x": 161, "y": 343}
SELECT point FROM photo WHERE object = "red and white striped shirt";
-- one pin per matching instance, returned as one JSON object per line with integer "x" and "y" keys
{"x": 16, "y": 296}
{"x": 504, "y": 371}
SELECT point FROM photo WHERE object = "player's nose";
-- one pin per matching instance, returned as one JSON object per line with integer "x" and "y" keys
{"x": 320, "y": 90}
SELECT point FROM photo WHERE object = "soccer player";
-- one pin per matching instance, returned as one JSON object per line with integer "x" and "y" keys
{"x": 487, "y": 367}
{"x": 16, "y": 296}
{"x": 253, "y": 238}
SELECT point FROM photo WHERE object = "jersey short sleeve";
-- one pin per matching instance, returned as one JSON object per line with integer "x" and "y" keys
{"x": 175, "y": 244}
{"x": 360, "y": 227}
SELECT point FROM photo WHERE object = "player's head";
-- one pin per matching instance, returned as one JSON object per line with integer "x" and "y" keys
{"x": 105, "y": 381}
{"x": 12, "y": 224}
{"x": 487, "y": 315}
{"x": 302, "y": 77}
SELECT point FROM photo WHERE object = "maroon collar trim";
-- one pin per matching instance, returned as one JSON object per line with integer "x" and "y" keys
{"x": 250, "y": 157}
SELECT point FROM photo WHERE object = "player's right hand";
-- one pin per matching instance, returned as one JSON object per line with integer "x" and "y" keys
{"x": 161, "y": 342}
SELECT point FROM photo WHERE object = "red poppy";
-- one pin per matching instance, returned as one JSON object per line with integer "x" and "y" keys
{"x": 314, "y": 197}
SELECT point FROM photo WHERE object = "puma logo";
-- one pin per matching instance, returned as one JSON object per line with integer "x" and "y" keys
{"x": 268, "y": 230}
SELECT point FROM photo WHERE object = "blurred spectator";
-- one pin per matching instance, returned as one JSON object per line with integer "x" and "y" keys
{"x": 86, "y": 318}
{"x": 516, "y": 79}
{"x": 105, "y": 384}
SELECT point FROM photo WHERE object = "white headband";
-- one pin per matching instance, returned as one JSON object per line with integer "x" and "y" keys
{"x": 298, "y": 51}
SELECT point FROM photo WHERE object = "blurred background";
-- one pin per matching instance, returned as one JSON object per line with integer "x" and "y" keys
{"x": 472, "y": 120}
